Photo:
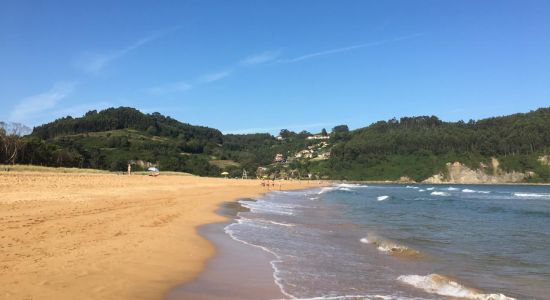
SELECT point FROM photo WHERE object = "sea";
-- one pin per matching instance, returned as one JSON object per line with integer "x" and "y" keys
{"x": 352, "y": 241}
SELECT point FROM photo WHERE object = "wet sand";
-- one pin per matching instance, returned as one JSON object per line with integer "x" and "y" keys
{"x": 106, "y": 236}
{"x": 237, "y": 271}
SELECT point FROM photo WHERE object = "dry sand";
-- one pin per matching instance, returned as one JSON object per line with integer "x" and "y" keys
{"x": 106, "y": 236}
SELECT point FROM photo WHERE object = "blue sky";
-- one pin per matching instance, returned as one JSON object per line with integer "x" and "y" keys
{"x": 259, "y": 66}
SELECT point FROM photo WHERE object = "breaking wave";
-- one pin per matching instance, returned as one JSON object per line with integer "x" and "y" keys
{"x": 350, "y": 185}
{"x": 532, "y": 195}
{"x": 382, "y": 198}
{"x": 444, "y": 286}
{"x": 436, "y": 193}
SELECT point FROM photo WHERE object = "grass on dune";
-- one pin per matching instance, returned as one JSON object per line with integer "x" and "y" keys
{"x": 33, "y": 168}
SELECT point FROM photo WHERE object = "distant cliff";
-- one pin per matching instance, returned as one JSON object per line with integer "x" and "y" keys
{"x": 459, "y": 173}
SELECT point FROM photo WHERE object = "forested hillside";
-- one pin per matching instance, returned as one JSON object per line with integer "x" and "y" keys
{"x": 419, "y": 147}
{"x": 415, "y": 147}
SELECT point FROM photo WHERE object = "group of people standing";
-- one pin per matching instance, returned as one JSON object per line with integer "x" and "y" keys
{"x": 270, "y": 184}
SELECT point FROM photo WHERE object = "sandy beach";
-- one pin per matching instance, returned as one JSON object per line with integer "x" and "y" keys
{"x": 107, "y": 236}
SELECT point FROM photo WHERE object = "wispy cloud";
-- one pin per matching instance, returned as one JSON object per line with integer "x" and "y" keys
{"x": 169, "y": 88}
{"x": 277, "y": 129}
{"x": 30, "y": 107}
{"x": 182, "y": 86}
{"x": 261, "y": 58}
{"x": 348, "y": 48}
{"x": 271, "y": 56}
{"x": 214, "y": 76}
{"x": 95, "y": 62}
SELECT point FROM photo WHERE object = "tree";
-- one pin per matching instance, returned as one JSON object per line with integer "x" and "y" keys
{"x": 285, "y": 133}
{"x": 324, "y": 132}
{"x": 340, "y": 129}
{"x": 11, "y": 141}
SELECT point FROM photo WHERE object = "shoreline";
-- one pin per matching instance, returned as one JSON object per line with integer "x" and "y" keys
{"x": 105, "y": 236}
{"x": 223, "y": 278}
{"x": 218, "y": 281}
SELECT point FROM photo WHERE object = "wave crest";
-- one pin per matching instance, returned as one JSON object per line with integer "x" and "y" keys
{"x": 436, "y": 193}
{"x": 444, "y": 286}
{"x": 532, "y": 195}
{"x": 382, "y": 198}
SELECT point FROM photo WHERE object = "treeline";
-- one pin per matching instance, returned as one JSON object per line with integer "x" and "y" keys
{"x": 417, "y": 147}
{"x": 424, "y": 144}
{"x": 112, "y": 138}
{"x": 510, "y": 135}
{"x": 124, "y": 118}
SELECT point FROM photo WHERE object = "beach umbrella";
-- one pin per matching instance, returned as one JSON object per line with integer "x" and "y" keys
{"x": 225, "y": 174}
{"x": 153, "y": 169}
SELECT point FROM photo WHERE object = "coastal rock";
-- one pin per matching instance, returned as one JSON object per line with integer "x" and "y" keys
{"x": 459, "y": 173}
{"x": 544, "y": 160}
{"x": 405, "y": 179}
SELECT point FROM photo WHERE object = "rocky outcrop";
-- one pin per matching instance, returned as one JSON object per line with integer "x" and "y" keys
{"x": 544, "y": 160}
{"x": 405, "y": 179}
{"x": 459, "y": 173}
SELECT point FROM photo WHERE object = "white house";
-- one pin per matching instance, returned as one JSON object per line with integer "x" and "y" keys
{"x": 318, "y": 137}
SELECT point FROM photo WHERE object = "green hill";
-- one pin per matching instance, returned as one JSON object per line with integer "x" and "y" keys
{"x": 416, "y": 147}
{"x": 419, "y": 147}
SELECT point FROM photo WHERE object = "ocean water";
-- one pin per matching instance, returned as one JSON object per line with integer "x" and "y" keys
{"x": 404, "y": 242}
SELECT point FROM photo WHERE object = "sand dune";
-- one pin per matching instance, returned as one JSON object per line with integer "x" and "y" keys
{"x": 104, "y": 236}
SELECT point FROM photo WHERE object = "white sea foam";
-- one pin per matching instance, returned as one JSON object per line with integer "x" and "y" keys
{"x": 278, "y": 280}
{"x": 382, "y": 198}
{"x": 274, "y": 262}
{"x": 441, "y": 285}
{"x": 412, "y": 187}
{"x": 363, "y": 297}
{"x": 484, "y": 192}
{"x": 345, "y": 189}
{"x": 430, "y": 189}
{"x": 267, "y": 207}
{"x": 273, "y": 222}
{"x": 436, "y": 193}
{"x": 350, "y": 185}
{"x": 452, "y": 189}
{"x": 364, "y": 240}
{"x": 421, "y": 190}
{"x": 468, "y": 191}
{"x": 532, "y": 195}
